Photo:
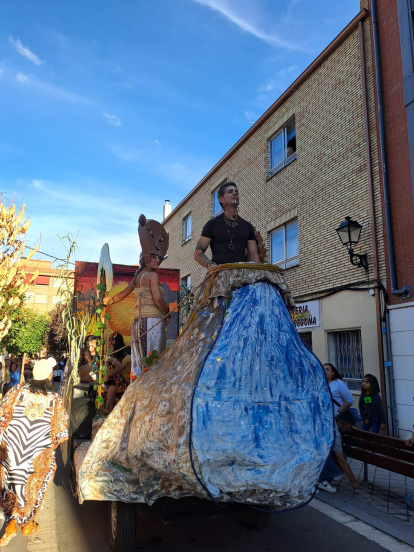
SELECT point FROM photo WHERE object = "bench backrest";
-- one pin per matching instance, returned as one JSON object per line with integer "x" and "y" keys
{"x": 385, "y": 452}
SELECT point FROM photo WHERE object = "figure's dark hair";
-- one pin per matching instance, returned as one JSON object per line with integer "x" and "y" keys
{"x": 375, "y": 388}
{"x": 335, "y": 374}
{"x": 222, "y": 189}
{"x": 40, "y": 386}
{"x": 345, "y": 417}
{"x": 119, "y": 343}
{"x": 142, "y": 265}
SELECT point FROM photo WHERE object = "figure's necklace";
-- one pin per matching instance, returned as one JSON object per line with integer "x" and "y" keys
{"x": 231, "y": 223}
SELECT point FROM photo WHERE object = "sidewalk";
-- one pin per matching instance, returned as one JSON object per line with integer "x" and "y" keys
{"x": 381, "y": 501}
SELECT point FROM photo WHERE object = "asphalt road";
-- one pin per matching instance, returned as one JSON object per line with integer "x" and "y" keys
{"x": 83, "y": 528}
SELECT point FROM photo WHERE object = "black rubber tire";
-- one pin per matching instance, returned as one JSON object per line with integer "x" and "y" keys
{"x": 254, "y": 520}
{"x": 121, "y": 526}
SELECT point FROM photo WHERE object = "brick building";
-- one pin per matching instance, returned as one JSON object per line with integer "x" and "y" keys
{"x": 393, "y": 53}
{"x": 43, "y": 294}
{"x": 329, "y": 115}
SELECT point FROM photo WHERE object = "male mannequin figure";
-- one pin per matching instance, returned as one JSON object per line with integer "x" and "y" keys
{"x": 228, "y": 235}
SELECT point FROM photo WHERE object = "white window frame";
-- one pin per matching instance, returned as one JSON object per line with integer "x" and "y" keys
{"x": 286, "y": 262}
{"x": 187, "y": 228}
{"x": 186, "y": 282}
{"x": 283, "y": 134}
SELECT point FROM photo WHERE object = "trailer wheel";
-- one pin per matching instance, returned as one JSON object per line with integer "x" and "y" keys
{"x": 255, "y": 520}
{"x": 121, "y": 526}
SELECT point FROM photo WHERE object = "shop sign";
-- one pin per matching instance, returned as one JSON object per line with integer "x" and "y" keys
{"x": 306, "y": 315}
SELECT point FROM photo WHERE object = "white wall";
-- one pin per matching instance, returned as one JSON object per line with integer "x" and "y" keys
{"x": 348, "y": 310}
{"x": 402, "y": 345}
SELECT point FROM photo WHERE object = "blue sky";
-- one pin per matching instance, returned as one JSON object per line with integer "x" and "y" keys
{"x": 109, "y": 107}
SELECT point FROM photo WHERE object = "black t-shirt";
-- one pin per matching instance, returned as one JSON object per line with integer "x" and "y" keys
{"x": 221, "y": 235}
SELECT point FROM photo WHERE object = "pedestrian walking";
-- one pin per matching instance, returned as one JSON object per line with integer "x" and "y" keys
{"x": 33, "y": 422}
{"x": 341, "y": 395}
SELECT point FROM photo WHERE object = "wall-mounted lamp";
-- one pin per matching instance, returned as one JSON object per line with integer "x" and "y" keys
{"x": 349, "y": 232}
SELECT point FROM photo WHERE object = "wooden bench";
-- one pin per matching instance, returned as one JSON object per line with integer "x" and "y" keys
{"x": 385, "y": 452}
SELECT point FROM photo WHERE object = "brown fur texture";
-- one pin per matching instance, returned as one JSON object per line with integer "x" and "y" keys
{"x": 261, "y": 247}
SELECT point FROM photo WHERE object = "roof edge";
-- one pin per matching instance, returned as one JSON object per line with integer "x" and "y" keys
{"x": 336, "y": 42}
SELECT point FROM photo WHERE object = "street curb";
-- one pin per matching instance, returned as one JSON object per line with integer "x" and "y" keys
{"x": 387, "y": 523}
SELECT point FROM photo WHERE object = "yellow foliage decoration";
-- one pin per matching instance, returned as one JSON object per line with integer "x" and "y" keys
{"x": 13, "y": 284}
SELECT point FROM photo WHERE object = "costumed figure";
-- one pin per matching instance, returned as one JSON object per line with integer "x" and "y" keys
{"x": 230, "y": 238}
{"x": 117, "y": 376}
{"x": 33, "y": 422}
{"x": 148, "y": 329}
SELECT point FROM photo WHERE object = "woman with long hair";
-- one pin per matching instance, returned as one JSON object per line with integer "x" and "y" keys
{"x": 89, "y": 360}
{"x": 341, "y": 395}
{"x": 33, "y": 422}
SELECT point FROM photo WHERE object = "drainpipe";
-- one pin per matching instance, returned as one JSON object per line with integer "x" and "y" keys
{"x": 389, "y": 375}
{"x": 406, "y": 291}
{"x": 383, "y": 363}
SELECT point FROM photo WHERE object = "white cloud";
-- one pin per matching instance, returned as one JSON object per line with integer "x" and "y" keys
{"x": 51, "y": 208}
{"x": 284, "y": 77}
{"x": 21, "y": 78}
{"x": 42, "y": 87}
{"x": 157, "y": 142}
{"x": 25, "y": 51}
{"x": 186, "y": 173}
{"x": 268, "y": 87}
{"x": 231, "y": 13}
{"x": 251, "y": 116}
{"x": 1, "y": 71}
{"x": 112, "y": 120}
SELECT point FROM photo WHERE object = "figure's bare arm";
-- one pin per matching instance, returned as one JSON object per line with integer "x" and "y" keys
{"x": 119, "y": 296}
{"x": 114, "y": 367}
{"x": 201, "y": 248}
{"x": 252, "y": 251}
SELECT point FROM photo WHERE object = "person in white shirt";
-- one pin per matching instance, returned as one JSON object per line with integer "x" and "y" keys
{"x": 341, "y": 395}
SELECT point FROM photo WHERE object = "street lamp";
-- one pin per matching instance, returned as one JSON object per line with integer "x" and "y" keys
{"x": 349, "y": 232}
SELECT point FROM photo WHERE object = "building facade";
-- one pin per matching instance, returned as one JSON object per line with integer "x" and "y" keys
{"x": 297, "y": 198}
{"x": 45, "y": 292}
{"x": 393, "y": 53}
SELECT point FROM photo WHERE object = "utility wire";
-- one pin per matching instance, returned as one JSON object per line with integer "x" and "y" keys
{"x": 51, "y": 256}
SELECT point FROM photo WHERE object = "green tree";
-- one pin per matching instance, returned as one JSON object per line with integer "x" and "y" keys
{"x": 57, "y": 336}
{"x": 27, "y": 333}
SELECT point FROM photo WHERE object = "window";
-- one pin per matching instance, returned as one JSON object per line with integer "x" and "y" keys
{"x": 187, "y": 228}
{"x": 42, "y": 280}
{"x": 282, "y": 148}
{"x": 216, "y": 203}
{"x": 306, "y": 337}
{"x": 29, "y": 297}
{"x": 284, "y": 245}
{"x": 57, "y": 299}
{"x": 186, "y": 282}
{"x": 345, "y": 353}
{"x": 186, "y": 300}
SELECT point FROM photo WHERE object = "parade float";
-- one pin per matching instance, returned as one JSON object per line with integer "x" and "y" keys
{"x": 237, "y": 411}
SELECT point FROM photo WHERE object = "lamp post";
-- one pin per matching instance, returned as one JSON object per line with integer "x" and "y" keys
{"x": 349, "y": 232}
